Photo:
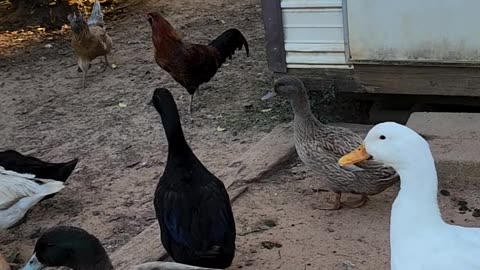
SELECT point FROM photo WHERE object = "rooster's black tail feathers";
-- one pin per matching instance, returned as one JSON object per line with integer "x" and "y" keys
{"x": 228, "y": 42}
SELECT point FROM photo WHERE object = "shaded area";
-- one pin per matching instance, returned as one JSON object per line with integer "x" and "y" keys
{"x": 49, "y": 14}
{"x": 21, "y": 34}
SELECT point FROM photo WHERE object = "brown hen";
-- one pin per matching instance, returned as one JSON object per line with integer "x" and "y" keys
{"x": 89, "y": 39}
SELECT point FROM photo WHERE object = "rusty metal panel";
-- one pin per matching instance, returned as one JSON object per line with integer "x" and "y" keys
{"x": 436, "y": 31}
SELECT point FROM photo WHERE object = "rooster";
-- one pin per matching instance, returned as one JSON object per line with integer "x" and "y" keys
{"x": 191, "y": 64}
{"x": 89, "y": 39}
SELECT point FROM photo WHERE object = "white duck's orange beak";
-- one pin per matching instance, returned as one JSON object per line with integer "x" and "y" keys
{"x": 357, "y": 155}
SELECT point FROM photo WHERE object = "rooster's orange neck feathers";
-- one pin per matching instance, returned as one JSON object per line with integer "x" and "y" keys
{"x": 163, "y": 33}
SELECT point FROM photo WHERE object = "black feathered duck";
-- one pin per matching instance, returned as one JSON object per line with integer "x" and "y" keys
{"x": 192, "y": 205}
{"x": 77, "y": 249}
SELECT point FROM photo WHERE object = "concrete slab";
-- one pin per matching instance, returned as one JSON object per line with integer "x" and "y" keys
{"x": 454, "y": 140}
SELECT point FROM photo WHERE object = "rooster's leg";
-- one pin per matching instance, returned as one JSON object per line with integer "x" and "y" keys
{"x": 191, "y": 103}
{"x": 107, "y": 65}
{"x": 80, "y": 70}
{"x": 84, "y": 75}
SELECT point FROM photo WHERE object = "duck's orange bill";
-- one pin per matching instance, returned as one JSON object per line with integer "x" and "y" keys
{"x": 357, "y": 155}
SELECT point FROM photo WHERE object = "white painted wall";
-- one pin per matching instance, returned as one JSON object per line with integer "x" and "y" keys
{"x": 314, "y": 33}
{"x": 414, "y": 30}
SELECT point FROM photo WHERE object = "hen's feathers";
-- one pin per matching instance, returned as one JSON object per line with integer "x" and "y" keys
{"x": 91, "y": 44}
{"x": 90, "y": 39}
{"x": 96, "y": 17}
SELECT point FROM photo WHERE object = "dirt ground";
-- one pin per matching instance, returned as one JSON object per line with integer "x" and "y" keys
{"x": 122, "y": 147}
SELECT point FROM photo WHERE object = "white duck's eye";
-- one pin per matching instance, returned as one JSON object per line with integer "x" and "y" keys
{"x": 382, "y": 137}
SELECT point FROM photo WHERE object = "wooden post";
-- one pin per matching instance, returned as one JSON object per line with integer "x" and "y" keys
{"x": 274, "y": 38}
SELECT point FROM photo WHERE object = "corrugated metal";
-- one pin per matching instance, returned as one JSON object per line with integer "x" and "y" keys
{"x": 413, "y": 30}
{"x": 314, "y": 33}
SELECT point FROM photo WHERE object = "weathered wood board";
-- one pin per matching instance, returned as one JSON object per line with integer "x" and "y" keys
{"x": 395, "y": 79}
{"x": 264, "y": 157}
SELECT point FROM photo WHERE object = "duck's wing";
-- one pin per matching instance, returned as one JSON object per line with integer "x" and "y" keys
{"x": 15, "y": 186}
{"x": 17, "y": 210}
{"x": 201, "y": 221}
{"x": 18, "y": 194}
{"x": 338, "y": 140}
{"x": 341, "y": 141}
{"x": 14, "y": 161}
{"x": 369, "y": 177}
{"x": 360, "y": 181}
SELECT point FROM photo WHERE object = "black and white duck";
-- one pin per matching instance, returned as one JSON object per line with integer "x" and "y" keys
{"x": 25, "y": 181}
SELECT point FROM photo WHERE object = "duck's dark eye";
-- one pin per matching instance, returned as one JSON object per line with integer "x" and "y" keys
{"x": 382, "y": 137}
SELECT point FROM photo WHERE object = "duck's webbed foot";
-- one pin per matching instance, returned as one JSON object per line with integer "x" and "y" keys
{"x": 357, "y": 203}
{"x": 336, "y": 204}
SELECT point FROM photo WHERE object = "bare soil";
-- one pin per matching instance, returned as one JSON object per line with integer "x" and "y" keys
{"x": 122, "y": 147}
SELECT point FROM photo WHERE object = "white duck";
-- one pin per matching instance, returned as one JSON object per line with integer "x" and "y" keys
{"x": 19, "y": 192}
{"x": 419, "y": 238}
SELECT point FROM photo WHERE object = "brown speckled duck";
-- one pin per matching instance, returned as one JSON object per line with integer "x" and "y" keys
{"x": 320, "y": 146}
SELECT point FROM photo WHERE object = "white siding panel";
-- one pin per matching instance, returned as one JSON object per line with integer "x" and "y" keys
{"x": 313, "y": 18}
{"x": 314, "y": 47}
{"x": 307, "y": 66}
{"x": 314, "y": 33}
{"x": 311, "y": 3}
{"x": 315, "y": 58}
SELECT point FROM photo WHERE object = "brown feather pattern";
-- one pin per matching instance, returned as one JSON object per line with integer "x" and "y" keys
{"x": 320, "y": 146}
